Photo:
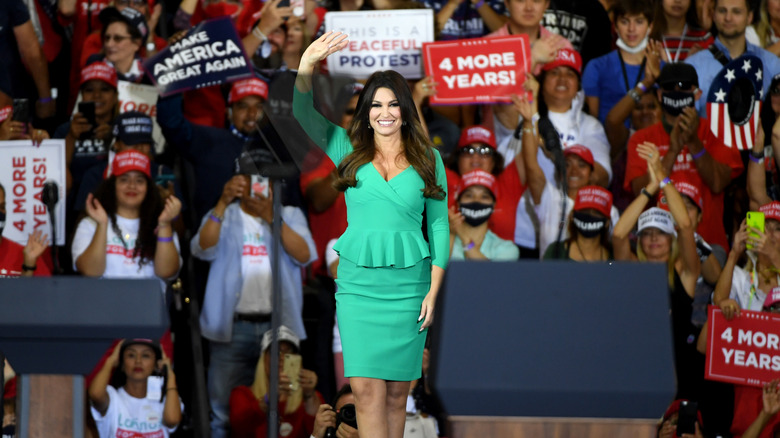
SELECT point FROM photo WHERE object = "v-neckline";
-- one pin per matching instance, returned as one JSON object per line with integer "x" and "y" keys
{"x": 394, "y": 177}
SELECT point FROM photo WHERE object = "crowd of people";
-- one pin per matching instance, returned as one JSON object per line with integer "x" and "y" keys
{"x": 608, "y": 153}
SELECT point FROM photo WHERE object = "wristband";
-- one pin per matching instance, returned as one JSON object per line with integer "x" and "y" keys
{"x": 26, "y": 268}
{"x": 45, "y": 99}
{"x": 259, "y": 34}
{"x": 535, "y": 118}
{"x": 648, "y": 194}
{"x": 699, "y": 154}
{"x": 216, "y": 219}
{"x": 754, "y": 159}
{"x": 665, "y": 181}
{"x": 479, "y": 4}
{"x": 642, "y": 87}
{"x": 165, "y": 239}
{"x": 634, "y": 95}
{"x": 470, "y": 246}
{"x": 757, "y": 155}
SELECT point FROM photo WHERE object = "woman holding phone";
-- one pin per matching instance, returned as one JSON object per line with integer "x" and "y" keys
{"x": 388, "y": 275}
{"x": 135, "y": 402}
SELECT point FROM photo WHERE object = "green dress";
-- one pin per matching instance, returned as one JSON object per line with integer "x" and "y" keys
{"x": 384, "y": 261}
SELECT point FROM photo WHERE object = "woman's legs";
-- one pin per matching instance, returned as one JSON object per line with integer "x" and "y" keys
{"x": 370, "y": 398}
{"x": 397, "y": 393}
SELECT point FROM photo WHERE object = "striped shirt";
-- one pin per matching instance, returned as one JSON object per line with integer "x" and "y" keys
{"x": 678, "y": 47}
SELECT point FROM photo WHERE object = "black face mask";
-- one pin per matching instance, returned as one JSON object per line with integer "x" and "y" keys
{"x": 588, "y": 225}
{"x": 2, "y": 222}
{"x": 673, "y": 102}
{"x": 476, "y": 213}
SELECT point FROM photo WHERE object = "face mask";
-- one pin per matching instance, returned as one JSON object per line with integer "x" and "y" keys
{"x": 2, "y": 222}
{"x": 476, "y": 213}
{"x": 588, "y": 225}
{"x": 673, "y": 102}
{"x": 221, "y": 9}
{"x": 623, "y": 46}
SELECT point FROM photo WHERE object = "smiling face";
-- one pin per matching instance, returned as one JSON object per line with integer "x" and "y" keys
{"x": 656, "y": 244}
{"x": 578, "y": 172}
{"x": 104, "y": 96}
{"x": 731, "y": 18}
{"x": 138, "y": 362}
{"x": 131, "y": 189}
{"x": 560, "y": 87}
{"x": 118, "y": 45}
{"x": 246, "y": 112}
{"x": 526, "y": 13}
{"x": 294, "y": 41}
{"x": 646, "y": 113}
{"x": 632, "y": 28}
{"x": 385, "y": 113}
{"x": 476, "y": 156}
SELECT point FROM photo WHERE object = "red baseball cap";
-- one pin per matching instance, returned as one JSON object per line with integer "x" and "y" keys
{"x": 476, "y": 177}
{"x": 594, "y": 197}
{"x": 247, "y": 87}
{"x": 580, "y": 151}
{"x": 100, "y": 71}
{"x": 9, "y": 390}
{"x": 771, "y": 210}
{"x": 130, "y": 160}
{"x": 686, "y": 188}
{"x": 477, "y": 134}
{"x": 566, "y": 57}
{"x": 772, "y": 297}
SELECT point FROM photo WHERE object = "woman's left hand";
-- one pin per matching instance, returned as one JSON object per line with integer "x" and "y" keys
{"x": 104, "y": 131}
{"x": 423, "y": 88}
{"x": 308, "y": 381}
{"x": 649, "y": 152}
{"x": 170, "y": 211}
{"x": 36, "y": 245}
{"x": 426, "y": 311}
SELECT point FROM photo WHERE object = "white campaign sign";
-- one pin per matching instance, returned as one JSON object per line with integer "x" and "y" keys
{"x": 24, "y": 169}
{"x": 380, "y": 40}
{"x": 143, "y": 98}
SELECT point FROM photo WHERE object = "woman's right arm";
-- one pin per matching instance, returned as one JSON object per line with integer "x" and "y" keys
{"x": 528, "y": 108}
{"x": 92, "y": 262}
{"x": 98, "y": 393}
{"x": 722, "y": 291}
{"x": 620, "y": 242}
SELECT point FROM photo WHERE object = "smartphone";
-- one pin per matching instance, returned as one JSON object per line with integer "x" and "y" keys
{"x": 292, "y": 369}
{"x": 87, "y": 109}
{"x": 755, "y": 219}
{"x": 259, "y": 186}
{"x": 686, "y": 421}
{"x": 297, "y": 7}
{"x": 22, "y": 113}
{"x": 163, "y": 179}
{"x": 155, "y": 384}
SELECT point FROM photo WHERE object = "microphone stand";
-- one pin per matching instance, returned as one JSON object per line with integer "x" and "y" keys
{"x": 276, "y": 173}
{"x": 50, "y": 197}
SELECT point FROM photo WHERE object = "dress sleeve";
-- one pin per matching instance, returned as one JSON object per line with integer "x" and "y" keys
{"x": 330, "y": 137}
{"x": 438, "y": 221}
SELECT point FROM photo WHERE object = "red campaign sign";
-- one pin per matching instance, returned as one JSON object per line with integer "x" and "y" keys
{"x": 745, "y": 350}
{"x": 479, "y": 70}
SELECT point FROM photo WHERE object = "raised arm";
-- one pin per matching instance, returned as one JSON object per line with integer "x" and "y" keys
{"x": 527, "y": 107}
{"x": 98, "y": 393}
{"x": 166, "y": 254}
{"x": 92, "y": 262}
{"x": 756, "y": 173}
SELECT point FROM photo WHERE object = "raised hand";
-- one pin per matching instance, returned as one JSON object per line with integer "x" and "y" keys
{"x": 526, "y": 105}
{"x": 96, "y": 211}
{"x": 649, "y": 152}
{"x": 771, "y": 396}
{"x": 329, "y": 43}
{"x": 546, "y": 47}
{"x": 36, "y": 245}
{"x": 740, "y": 238}
{"x": 233, "y": 189}
{"x": 170, "y": 211}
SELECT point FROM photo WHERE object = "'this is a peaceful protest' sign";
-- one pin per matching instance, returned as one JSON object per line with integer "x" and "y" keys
{"x": 478, "y": 70}
{"x": 380, "y": 40}
{"x": 210, "y": 53}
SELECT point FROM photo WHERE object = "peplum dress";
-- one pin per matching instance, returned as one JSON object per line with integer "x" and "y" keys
{"x": 385, "y": 262}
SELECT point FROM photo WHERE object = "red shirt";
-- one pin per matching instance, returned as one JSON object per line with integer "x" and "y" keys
{"x": 711, "y": 225}
{"x": 326, "y": 225}
{"x": 509, "y": 191}
{"x": 748, "y": 403}
{"x": 247, "y": 420}
{"x": 12, "y": 258}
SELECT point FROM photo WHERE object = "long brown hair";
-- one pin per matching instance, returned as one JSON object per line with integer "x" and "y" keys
{"x": 659, "y": 20}
{"x": 416, "y": 146}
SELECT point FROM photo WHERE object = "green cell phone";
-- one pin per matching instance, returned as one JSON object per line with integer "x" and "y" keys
{"x": 755, "y": 219}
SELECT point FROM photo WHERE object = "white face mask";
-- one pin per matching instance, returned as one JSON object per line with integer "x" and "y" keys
{"x": 639, "y": 47}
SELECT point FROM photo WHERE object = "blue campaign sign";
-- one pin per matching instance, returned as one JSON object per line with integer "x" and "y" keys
{"x": 210, "y": 53}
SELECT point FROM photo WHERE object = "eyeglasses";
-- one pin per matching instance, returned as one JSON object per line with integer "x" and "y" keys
{"x": 684, "y": 85}
{"x": 130, "y": 3}
{"x": 117, "y": 38}
{"x": 479, "y": 150}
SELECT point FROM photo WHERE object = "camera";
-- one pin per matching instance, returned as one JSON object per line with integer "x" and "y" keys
{"x": 346, "y": 415}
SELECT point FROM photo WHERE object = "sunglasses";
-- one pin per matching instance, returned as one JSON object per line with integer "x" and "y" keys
{"x": 479, "y": 150}
{"x": 117, "y": 38}
{"x": 684, "y": 85}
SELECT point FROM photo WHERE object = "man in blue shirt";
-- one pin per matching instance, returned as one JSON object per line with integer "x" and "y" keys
{"x": 731, "y": 18}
